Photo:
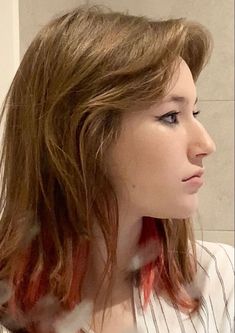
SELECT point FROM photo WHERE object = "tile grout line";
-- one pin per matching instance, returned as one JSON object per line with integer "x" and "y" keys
{"x": 216, "y": 100}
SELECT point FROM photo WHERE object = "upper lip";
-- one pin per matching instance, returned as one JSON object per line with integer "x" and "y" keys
{"x": 197, "y": 173}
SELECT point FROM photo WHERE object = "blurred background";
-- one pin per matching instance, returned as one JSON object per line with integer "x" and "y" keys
{"x": 20, "y": 20}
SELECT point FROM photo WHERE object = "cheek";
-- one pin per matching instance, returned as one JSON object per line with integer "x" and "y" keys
{"x": 152, "y": 160}
{"x": 145, "y": 161}
{"x": 148, "y": 176}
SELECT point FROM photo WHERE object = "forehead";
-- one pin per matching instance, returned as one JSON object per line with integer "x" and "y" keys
{"x": 182, "y": 90}
{"x": 183, "y": 100}
{"x": 182, "y": 85}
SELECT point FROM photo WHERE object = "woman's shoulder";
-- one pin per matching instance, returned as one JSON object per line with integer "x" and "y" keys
{"x": 215, "y": 280}
{"x": 215, "y": 271}
{"x": 215, "y": 257}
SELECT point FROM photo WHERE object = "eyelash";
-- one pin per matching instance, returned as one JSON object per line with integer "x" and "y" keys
{"x": 162, "y": 119}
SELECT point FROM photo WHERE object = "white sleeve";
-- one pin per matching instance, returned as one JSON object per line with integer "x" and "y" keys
{"x": 229, "y": 280}
{"x": 224, "y": 325}
{"x": 217, "y": 261}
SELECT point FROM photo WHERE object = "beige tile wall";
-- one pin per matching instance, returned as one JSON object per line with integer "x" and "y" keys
{"x": 9, "y": 55}
{"x": 215, "y": 91}
{"x": 34, "y": 14}
{"x": 220, "y": 236}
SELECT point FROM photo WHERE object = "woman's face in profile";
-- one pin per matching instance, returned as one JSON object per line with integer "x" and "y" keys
{"x": 155, "y": 152}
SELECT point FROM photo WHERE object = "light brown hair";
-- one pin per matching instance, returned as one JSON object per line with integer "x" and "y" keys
{"x": 63, "y": 111}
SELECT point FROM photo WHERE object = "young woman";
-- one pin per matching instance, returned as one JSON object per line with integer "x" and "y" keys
{"x": 102, "y": 162}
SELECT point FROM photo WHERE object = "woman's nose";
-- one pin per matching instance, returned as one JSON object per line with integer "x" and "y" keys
{"x": 201, "y": 143}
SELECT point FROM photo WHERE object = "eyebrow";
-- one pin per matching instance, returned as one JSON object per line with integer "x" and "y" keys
{"x": 178, "y": 99}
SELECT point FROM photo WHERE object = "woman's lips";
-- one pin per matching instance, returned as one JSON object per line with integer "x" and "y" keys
{"x": 196, "y": 181}
{"x": 197, "y": 173}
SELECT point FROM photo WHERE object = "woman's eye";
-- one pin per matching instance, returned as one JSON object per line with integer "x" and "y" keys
{"x": 171, "y": 118}
{"x": 196, "y": 113}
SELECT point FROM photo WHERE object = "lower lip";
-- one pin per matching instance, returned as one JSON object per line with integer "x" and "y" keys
{"x": 194, "y": 181}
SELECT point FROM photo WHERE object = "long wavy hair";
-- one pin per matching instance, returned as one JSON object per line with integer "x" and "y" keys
{"x": 63, "y": 111}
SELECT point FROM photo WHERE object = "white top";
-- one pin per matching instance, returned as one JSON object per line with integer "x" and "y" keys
{"x": 215, "y": 277}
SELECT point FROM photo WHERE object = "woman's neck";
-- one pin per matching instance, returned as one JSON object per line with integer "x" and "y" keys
{"x": 127, "y": 247}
